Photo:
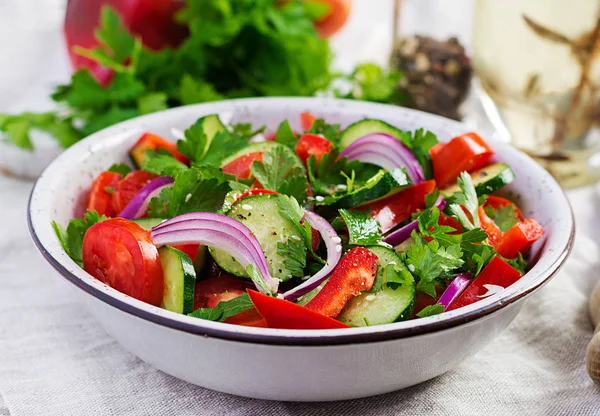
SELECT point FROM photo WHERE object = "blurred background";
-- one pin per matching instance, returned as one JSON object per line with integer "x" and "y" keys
{"x": 524, "y": 72}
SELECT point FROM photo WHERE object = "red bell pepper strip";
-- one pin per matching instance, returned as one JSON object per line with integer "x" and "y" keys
{"x": 307, "y": 120}
{"x": 514, "y": 241}
{"x": 463, "y": 153}
{"x": 190, "y": 249}
{"x": 393, "y": 210}
{"x": 150, "y": 141}
{"x": 354, "y": 273}
{"x": 496, "y": 201}
{"x": 312, "y": 144}
{"x": 496, "y": 273}
{"x": 283, "y": 314}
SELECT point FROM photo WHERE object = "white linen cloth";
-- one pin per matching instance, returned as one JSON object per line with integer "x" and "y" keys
{"x": 55, "y": 359}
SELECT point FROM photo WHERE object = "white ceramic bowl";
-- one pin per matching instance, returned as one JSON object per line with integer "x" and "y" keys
{"x": 284, "y": 364}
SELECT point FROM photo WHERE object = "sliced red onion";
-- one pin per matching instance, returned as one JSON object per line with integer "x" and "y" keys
{"x": 395, "y": 238}
{"x": 139, "y": 204}
{"x": 385, "y": 151}
{"x": 456, "y": 288}
{"x": 333, "y": 243}
{"x": 222, "y": 232}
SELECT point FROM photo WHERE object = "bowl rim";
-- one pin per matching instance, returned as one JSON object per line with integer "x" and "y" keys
{"x": 267, "y": 336}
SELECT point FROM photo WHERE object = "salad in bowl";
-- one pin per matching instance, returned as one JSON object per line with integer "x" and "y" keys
{"x": 325, "y": 227}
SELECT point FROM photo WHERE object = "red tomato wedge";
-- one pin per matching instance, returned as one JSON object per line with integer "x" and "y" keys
{"x": 100, "y": 195}
{"x": 494, "y": 233}
{"x": 190, "y": 249}
{"x": 150, "y": 141}
{"x": 311, "y": 144}
{"x": 496, "y": 201}
{"x": 307, "y": 120}
{"x": 397, "y": 208}
{"x": 354, "y": 273}
{"x": 463, "y": 153}
{"x": 208, "y": 294}
{"x": 496, "y": 273}
{"x": 121, "y": 254}
{"x": 283, "y": 314}
{"x": 129, "y": 187}
{"x": 334, "y": 20}
{"x": 240, "y": 167}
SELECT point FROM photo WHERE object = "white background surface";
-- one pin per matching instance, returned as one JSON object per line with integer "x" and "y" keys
{"x": 55, "y": 360}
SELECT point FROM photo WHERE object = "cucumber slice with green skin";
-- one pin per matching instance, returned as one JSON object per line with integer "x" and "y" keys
{"x": 180, "y": 278}
{"x": 382, "y": 185}
{"x": 386, "y": 305}
{"x": 148, "y": 223}
{"x": 260, "y": 213}
{"x": 367, "y": 126}
{"x": 262, "y": 147}
{"x": 486, "y": 180}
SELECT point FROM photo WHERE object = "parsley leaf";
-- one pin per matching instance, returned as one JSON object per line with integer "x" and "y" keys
{"x": 245, "y": 130}
{"x": 504, "y": 216}
{"x": 363, "y": 230}
{"x": 370, "y": 82}
{"x": 120, "y": 168}
{"x": 290, "y": 209}
{"x": 420, "y": 142}
{"x": 295, "y": 253}
{"x": 285, "y": 135}
{"x": 224, "y": 309}
{"x": 431, "y": 310}
{"x": 519, "y": 263}
{"x": 331, "y": 132}
{"x": 71, "y": 239}
{"x": 194, "y": 190}
{"x": 223, "y": 145}
{"x": 163, "y": 164}
{"x": 279, "y": 171}
{"x": 467, "y": 198}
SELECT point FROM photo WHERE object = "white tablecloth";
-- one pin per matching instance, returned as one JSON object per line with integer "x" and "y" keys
{"x": 55, "y": 360}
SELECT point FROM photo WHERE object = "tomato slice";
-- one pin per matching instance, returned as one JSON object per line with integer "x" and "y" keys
{"x": 307, "y": 120}
{"x": 354, "y": 273}
{"x": 397, "y": 208}
{"x": 282, "y": 314}
{"x": 496, "y": 273}
{"x": 190, "y": 249}
{"x": 121, "y": 254}
{"x": 240, "y": 167}
{"x": 129, "y": 187}
{"x": 496, "y": 201}
{"x": 339, "y": 12}
{"x": 150, "y": 141}
{"x": 100, "y": 194}
{"x": 312, "y": 144}
{"x": 463, "y": 153}
{"x": 208, "y": 294}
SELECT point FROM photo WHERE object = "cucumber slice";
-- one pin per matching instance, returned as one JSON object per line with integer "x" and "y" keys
{"x": 262, "y": 147}
{"x": 382, "y": 185}
{"x": 148, "y": 223}
{"x": 260, "y": 213}
{"x": 387, "y": 305}
{"x": 180, "y": 279}
{"x": 367, "y": 126}
{"x": 486, "y": 180}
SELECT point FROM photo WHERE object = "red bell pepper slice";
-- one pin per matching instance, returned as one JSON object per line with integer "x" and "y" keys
{"x": 496, "y": 273}
{"x": 307, "y": 120}
{"x": 463, "y": 153}
{"x": 496, "y": 201}
{"x": 514, "y": 241}
{"x": 354, "y": 273}
{"x": 150, "y": 141}
{"x": 283, "y": 314}
{"x": 312, "y": 144}
{"x": 190, "y": 249}
{"x": 397, "y": 208}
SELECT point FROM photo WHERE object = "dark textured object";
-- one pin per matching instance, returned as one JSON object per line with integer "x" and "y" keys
{"x": 436, "y": 75}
